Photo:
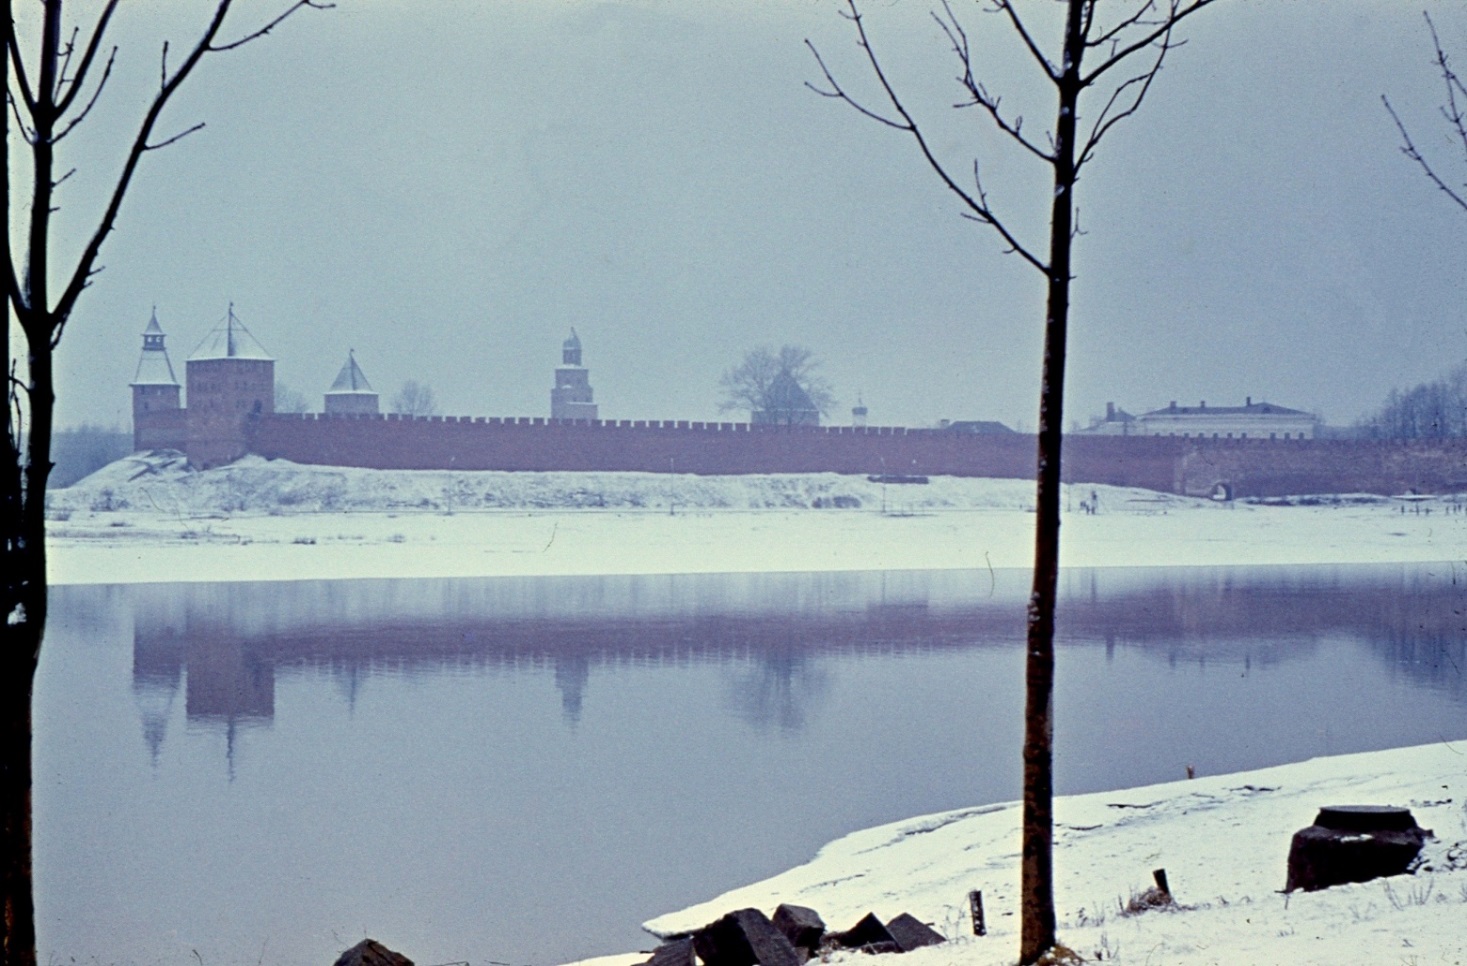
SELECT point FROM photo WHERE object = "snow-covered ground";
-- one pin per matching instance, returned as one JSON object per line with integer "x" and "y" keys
{"x": 151, "y": 520}
{"x": 1223, "y": 840}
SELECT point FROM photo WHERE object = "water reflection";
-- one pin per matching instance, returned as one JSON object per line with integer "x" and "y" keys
{"x": 224, "y": 644}
{"x": 464, "y": 765}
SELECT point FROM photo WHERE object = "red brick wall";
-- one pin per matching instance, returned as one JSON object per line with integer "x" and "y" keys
{"x": 1287, "y": 467}
{"x": 159, "y": 428}
{"x": 1168, "y": 464}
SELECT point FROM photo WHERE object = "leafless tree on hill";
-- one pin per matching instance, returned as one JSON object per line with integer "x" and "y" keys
{"x": 1092, "y": 65}
{"x": 1454, "y": 111}
{"x": 754, "y": 384}
{"x": 54, "y": 80}
{"x": 415, "y": 399}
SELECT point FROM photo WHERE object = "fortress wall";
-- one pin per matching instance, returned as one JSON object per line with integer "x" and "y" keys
{"x": 1251, "y": 468}
{"x": 160, "y": 429}
{"x": 391, "y": 442}
{"x": 1287, "y": 467}
{"x": 655, "y": 447}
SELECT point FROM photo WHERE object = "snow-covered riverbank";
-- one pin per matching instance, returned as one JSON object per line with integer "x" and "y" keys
{"x": 1223, "y": 841}
{"x": 261, "y": 520}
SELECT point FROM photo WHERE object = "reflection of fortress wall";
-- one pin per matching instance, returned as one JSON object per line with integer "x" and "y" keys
{"x": 229, "y": 678}
{"x": 1168, "y": 464}
{"x": 568, "y": 627}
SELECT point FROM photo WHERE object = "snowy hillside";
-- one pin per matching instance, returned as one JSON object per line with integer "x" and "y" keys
{"x": 163, "y": 482}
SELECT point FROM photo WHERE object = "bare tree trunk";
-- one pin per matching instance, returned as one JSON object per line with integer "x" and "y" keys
{"x": 1036, "y": 903}
{"x": 15, "y": 797}
{"x": 46, "y": 99}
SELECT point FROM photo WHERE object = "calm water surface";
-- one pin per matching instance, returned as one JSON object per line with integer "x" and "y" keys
{"x": 522, "y": 770}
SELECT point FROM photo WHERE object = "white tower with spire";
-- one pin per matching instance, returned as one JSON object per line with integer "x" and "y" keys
{"x": 156, "y": 406}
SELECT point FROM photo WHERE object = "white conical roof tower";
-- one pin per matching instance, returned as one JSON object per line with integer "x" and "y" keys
{"x": 154, "y": 368}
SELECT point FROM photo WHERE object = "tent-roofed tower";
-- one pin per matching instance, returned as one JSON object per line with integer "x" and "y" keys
{"x": 786, "y": 403}
{"x": 572, "y": 396}
{"x": 157, "y": 414}
{"x": 231, "y": 384}
{"x": 351, "y": 394}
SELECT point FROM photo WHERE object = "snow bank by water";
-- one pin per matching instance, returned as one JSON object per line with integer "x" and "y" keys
{"x": 150, "y": 519}
{"x": 1222, "y": 840}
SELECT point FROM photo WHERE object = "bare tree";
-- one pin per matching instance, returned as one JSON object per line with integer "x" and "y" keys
{"x": 1091, "y": 65}
{"x": 1430, "y": 410}
{"x": 782, "y": 387}
{"x": 288, "y": 399}
{"x": 51, "y": 88}
{"x": 415, "y": 399}
{"x": 1454, "y": 110}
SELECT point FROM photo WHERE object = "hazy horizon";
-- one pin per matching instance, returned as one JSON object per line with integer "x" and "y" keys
{"x": 448, "y": 193}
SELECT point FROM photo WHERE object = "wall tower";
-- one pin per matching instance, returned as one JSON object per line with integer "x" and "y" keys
{"x": 157, "y": 416}
{"x": 351, "y": 393}
{"x": 231, "y": 384}
{"x": 572, "y": 397}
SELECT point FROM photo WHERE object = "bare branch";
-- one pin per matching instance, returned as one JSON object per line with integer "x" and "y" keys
{"x": 62, "y": 180}
{"x": 1007, "y": 7}
{"x": 977, "y": 203}
{"x": 26, "y": 131}
{"x": 12, "y": 48}
{"x": 299, "y": 4}
{"x": 1106, "y": 120}
{"x": 1113, "y": 35}
{"x": 979, "y": 94}
{"x": 1408, "y": 148}
{"x": 176, "y": 138}
{"x": 106, "y": 73}
{"x": 17, "y": 295}
{"x": 1452, "y": 111}
{"x": 838, "y": 92}
{"x": 983, "y": 214}
{"x": 1177, "y": 12}
{"x": 76, "y": 82}
{"x": 83, "y": 272}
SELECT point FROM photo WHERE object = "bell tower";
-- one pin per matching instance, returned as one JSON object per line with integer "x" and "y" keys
{"x": 572, "y": 396}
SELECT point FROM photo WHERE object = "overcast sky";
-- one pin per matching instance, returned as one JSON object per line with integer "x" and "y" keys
{"x": 449, "y": 187}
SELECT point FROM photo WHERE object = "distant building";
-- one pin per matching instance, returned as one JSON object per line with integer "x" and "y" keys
{"x": 157, "y": 410}
{"x": 572, "y": 396}
{"x": 351, "y": 393}
{"x": 1252, "y": 420}
{"x": 977, "y": 427}
{"x": 786, "y": 404}
{"x": 858, "y": 413}
{"x": 1117, "y": 422}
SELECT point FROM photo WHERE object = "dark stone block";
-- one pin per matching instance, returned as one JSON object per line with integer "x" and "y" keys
{"x": 1366, "y": 818}
{"x": 911, "y": 933}
{"x": 868, "y": 932}
{"x": 369, "y": 952}
{"x": 744, "y": 938}
{"x": 803, "y": 927}
{"x": 1353, "y": 843}
{"x": 676, "y": 952}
